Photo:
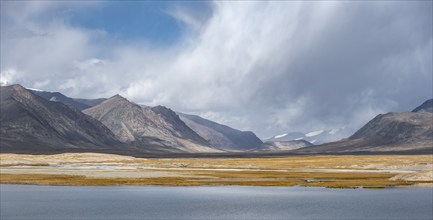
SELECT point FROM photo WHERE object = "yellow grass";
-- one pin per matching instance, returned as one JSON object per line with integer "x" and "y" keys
{"x": 326, "y": 171}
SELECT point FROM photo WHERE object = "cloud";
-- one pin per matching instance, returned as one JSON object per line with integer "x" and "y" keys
{"x": 270, "y": 67}
{"x": 7, "y": 76}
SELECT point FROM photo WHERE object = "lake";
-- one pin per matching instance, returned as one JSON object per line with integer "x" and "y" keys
{"x": 214, "y": 202}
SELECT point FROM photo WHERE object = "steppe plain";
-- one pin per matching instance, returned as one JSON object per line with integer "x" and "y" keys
{"x": 342, "y": 171}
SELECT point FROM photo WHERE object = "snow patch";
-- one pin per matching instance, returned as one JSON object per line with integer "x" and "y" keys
{"x": 280, "y": 136}
{"x": 314, "y": 133}
{"x": 313, "y": 141}
{"x": 54, "y": 99}
{"x": 37, "y": 90}
{"x": 297, "y": 139}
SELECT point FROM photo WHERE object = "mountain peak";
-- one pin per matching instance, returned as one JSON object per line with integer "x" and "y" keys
{"x": 17, "y": 87}
{"x": 115, "y": 102}
{"x": 427, "y": 106}
{"x": 16, "y": 90}
{"x": 162, "y": 109}
{"x": 117, "y": 99}
{"x": 117, "y": 96}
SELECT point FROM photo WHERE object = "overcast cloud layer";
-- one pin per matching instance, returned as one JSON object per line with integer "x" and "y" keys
{"x": 269, "y": 67}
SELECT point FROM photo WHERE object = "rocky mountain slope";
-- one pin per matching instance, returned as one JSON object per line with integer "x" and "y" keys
{"x": 30, "y": 123}
{"x": 152, "y": 129}
{"x": 392, "y": 128}
{"x": 221, "y": 136}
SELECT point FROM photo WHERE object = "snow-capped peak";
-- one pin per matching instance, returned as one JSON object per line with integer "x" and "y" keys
{"x": 280, "y": 136}
{"x": 314, "y": 133}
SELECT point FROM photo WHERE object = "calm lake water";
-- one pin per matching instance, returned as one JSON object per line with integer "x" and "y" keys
{"x": 224, "y": 202}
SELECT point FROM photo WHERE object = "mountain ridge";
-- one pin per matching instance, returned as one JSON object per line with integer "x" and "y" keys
{"x": 221, "y": 136}
{"x": 315, "y": 137}
{"x": 427, "y": 106}
{"x": 34, "y": 122}
{"x": 59, "y": 97}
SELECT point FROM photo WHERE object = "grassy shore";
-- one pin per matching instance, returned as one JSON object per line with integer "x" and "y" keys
{"x": 326, "y": 171}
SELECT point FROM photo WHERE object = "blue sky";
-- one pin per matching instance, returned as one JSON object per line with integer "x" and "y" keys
{"x": 136, "y": 20}
{"x": 267, "y": 66}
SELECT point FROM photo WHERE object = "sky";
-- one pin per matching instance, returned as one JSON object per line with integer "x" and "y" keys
{"x": 266, "y": 66}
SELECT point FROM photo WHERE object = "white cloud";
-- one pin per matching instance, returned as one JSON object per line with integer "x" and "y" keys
{"x": 270, "y": 67}
{"x": 7, "y": 76}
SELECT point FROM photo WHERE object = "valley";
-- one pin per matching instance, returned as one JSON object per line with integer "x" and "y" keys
{"x": 216, "y": 109}
{"x": 49, "y": 138}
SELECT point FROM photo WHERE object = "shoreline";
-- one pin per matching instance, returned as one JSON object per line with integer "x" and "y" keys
{"x": 222, "y": 186}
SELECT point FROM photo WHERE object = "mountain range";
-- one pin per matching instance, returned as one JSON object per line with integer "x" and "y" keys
{"x": 314, "y": 137}
{"x": 36, "y": 121}
{"x": 67, "y": 124}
